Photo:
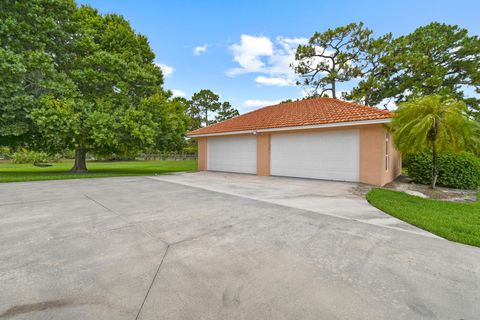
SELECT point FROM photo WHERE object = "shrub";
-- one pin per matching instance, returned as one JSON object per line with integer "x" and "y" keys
{"x": 457, "y": 170}
{"x": 29, "y": 156}
{"x": 5, "y": 153}
{"x": 114, "y": 157}
{"x": 68, "y": 154}
{"x": 190, "y": 150}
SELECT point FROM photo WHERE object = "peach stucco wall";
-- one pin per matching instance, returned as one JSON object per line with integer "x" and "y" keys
{"x": 371, "y": 151}
{"x": 202, "y": 153}
{"x": 395, "y": 165}
{"x": 372, "y": 154}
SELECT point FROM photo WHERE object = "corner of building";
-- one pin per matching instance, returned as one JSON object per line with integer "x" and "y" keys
{"x": 380, "y": 161}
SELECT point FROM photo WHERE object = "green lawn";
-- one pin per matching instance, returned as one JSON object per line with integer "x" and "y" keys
{"x": 454, "y": 221}
{"x": 26, "y": 172}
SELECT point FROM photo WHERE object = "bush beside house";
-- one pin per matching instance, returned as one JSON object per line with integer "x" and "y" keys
{"x": 456, "y": 170}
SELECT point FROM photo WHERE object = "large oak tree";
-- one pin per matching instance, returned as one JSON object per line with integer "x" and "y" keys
{"x": 35, "y": 39}
{"x": 82, "y": 81}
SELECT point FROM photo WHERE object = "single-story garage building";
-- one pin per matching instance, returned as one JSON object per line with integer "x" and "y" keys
{"x": 319, "y": 138}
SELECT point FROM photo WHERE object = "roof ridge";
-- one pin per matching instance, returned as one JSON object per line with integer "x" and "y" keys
{"x": 241, "y": 115}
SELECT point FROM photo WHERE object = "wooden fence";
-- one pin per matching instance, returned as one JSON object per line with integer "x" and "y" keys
{"x": 168, "y": 156}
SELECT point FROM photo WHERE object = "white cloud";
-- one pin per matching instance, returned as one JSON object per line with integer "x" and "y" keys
{"x": 249, "y": 52}
{"x": 166, "y": 69}
{"x": 178, "y": 93}
{"x": 264, "y": 56}
{"x": 253, "y": 104}
{"x": 273, "y": 81}
{"x": 288, "y": 43}
{"x": 198, "y": 50}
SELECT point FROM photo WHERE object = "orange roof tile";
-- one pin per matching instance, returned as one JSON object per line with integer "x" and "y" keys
{"x": 307, "y": 112}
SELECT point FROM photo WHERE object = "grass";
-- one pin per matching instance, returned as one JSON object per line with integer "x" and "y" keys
{"x": 455, "y": 221}
{"x": 27, "y": 172}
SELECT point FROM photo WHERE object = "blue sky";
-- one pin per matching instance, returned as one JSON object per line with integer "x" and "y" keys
{"x": 243, "y": 48}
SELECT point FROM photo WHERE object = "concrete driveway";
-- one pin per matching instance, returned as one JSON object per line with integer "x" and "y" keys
{"x": 219, "y": 246}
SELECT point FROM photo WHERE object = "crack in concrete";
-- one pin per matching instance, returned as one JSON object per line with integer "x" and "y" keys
{"x": 121, "y": 217}
{"x": 152, "y": 282}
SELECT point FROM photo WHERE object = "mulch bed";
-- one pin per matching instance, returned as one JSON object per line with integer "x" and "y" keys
{"x": 404, "y": 183}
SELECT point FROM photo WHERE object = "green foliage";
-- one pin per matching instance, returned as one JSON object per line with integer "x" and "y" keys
{"x": 206, "y": 102}
{"x": 77, "y": 79}
{"x": 5, "y": 153}
{"x": 202, "y": 103}
{"x": 435, "y": 124}
{"x": 34, "y": 45}
{"x": 332, "y": 56}
{"x": 375, "y": 53}
{"x": 433, "y": 120}
{"x": 456, "y": 170}
{"x": 434, "y": 59}
{"x": 171, "y": 121}
{"x": 454, "y": 221}
{"x": 226, "y": 111}
{"x": 190, "y": 149}
{"x": 29, "y": 156}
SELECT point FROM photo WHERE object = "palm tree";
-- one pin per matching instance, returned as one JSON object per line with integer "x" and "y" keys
{"x": 433, "y": 123}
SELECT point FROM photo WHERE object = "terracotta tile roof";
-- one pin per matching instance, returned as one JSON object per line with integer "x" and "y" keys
{"x": 298, "y": 113}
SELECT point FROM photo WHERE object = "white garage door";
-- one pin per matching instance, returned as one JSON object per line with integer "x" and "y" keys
{"x": 331, "y": 155}
{"x": 232, "y": 154}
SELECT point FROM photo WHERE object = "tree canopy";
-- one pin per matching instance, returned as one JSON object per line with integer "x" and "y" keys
{"x": 226, "y": 111}
{"x": 82, "y": 80}
{"x": 34, "y": 39}
{"x": 205, "y": 109}
{"x": 434, "y": 59}
{"x": 330, "y": 57}
{"x": 434, "y": 123}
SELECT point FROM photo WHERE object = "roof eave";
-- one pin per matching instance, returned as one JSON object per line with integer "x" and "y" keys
{"x": 315, "y": 126}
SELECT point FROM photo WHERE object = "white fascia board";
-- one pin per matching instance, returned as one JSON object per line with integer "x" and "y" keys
{"x": 329, "y": 125}
{"x": 315, "y": 126}
{"x": 222, "y": 133}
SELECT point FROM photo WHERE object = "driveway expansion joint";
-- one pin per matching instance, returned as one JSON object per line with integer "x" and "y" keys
{"x": 152, "y": 282}
{"x": 121, "y": 217}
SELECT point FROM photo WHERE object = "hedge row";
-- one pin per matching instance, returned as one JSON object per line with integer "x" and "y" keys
{"x": 456, "y": 170}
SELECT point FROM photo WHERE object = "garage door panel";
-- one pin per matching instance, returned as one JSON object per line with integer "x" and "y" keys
{"x": 232, "y": 154}
{"x": 320, "y": 155}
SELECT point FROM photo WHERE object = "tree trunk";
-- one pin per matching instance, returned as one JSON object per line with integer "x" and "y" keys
{"x": 334, "y": 90}
{"x": 434, "y": 166}
{"x": 80, "y": 165}
{"x": 433, "y": 139}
